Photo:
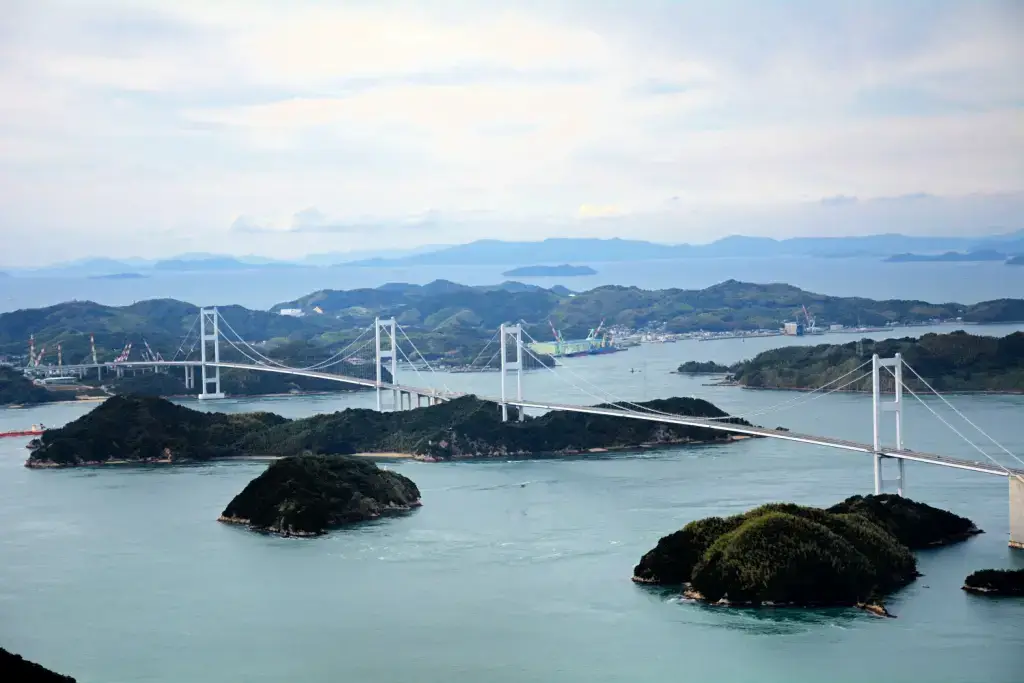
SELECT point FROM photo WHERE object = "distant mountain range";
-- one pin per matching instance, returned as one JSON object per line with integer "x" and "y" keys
{"x": 893, "y": 247}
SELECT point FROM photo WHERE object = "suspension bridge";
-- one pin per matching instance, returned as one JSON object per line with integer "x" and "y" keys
{"x": 512, "y": 351}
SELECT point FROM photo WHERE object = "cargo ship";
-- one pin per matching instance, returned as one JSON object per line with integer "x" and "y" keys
{"x": 595, "y": 344}
{"x": 34, "y": 430}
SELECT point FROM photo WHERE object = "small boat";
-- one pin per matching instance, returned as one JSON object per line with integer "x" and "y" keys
{"x": 34, "y": 430}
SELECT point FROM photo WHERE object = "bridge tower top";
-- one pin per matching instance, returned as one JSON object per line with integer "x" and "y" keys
{"x": 895, "y": 366}
{"x": 515, "y": 334}
{"x": 209, "y": 332}
{"x": 389, "y": 327}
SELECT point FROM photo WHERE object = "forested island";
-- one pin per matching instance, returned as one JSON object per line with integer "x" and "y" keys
{"x": 154, "y": 430}
{"x": 564, "y": 270}
{"x": 16, "y": 669}
{"x": 693, "y": 367}
{"x": 782, "y": 554}
{"x": 307, "y": 495}
{"x": 996, "y": 582}
{"x": 16, "y": 389}
{"x": 949, "y": 362}
{"x": 452, "y": 323}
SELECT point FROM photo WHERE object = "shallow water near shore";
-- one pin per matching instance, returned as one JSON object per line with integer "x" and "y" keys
{"x": 512, "y": 571}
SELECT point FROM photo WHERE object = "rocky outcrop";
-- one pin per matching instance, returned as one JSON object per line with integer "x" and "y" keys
{"x": 782, "y": 554}
{"x": 17, "y": 669}
{"x": 307, "y": 495}
{"x": 996, "y": 582}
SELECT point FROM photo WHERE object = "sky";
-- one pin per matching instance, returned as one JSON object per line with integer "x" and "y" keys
{"x": 146, "y": 128}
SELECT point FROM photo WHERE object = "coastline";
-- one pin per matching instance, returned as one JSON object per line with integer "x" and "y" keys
{"x": 389, "y": 455}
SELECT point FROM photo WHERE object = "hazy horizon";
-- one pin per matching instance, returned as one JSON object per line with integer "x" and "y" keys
{"x": 148, "y": 128}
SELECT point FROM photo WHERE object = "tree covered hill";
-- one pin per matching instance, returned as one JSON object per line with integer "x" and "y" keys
{"x": 452, "y": 322}
{"x": 15, "y": 388}
{"x": 147, "y": 429}
{"x": 949, "y": 362}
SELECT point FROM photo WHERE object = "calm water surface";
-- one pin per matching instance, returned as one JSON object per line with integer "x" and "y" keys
{"x": 513, "y": 571}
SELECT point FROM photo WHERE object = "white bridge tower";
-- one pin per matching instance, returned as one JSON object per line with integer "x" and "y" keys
{"x": 896, "y": 407}
{"x": 209, "y": 331}
{"x": 515, "y": 333}
{"x": 388, "y": 327}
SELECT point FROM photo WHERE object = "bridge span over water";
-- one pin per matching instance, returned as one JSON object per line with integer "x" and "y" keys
{"x": 511, "y": 351}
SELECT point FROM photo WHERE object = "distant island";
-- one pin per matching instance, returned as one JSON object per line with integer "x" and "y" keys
{"x": 781, "y": 554}
{"x": 1016, "y": 261}
{"x": 564, "y": 270}
{"x": 949, "y": 362}
{"x": 996, "y": 582}
{"x": 119, "y": 276}
{"x": 17, "y": 669}
{"x": 692, "y": 367}
{"x": 949, "y": 257}
{"x": 307, "y": 495}
{"x": 146, "y": 429}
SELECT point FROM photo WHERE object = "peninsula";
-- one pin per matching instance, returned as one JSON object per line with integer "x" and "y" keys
{"x": 782, "y": 554}
{"x": 564, "y": 270}
{"x": 949, "y": 257}
{"x": 949, "y": 362}
{"x": 147, "y": 429}
{"x": 307, "y": 495}
{"x": 16, "y": 389}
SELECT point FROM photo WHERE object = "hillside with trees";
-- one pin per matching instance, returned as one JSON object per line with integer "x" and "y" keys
{"x": 949, "y": 362}
{"x": 16, "y": 389}
{"x": 853, "y": 553}
{"x": 451, "y": 323}
{"x": 149, "y": 429}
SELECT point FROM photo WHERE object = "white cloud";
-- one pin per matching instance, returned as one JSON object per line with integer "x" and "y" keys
{"x": 126, "y": 117}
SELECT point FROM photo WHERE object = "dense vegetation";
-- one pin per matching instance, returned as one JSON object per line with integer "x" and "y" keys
{"x": 451, "y": 323}
{"x": 146, "y": 429}
{"x": 693, "y": 367}
{"x": 16, "y": 389}
{"x": 16, "y": 669}
{"x": 1008, "y": 582}
{"x": 306, "y": 495}
{"x": 139, "y": 428}
{"x": 782, "y": 553}
{"x": 949, "y": 362}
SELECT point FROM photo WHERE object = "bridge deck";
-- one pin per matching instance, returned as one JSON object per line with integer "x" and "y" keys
{"x": 905, "y": 454}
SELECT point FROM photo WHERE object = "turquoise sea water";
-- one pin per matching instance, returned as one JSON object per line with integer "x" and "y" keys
{"x": 511, "y": 571}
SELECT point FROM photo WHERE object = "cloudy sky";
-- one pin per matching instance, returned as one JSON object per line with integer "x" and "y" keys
{"x": 137, "y": 127}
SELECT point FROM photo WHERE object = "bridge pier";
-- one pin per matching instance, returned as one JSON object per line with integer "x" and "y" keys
{"x": 1016, "y": 511}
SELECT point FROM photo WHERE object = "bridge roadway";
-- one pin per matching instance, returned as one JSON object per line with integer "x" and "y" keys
{"x": 719, "y": 425}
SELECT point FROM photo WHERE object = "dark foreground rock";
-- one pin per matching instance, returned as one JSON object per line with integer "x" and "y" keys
{"x": 851, "y": 554}
{"x": 16, "y": 669}
{"x": 998, "y": 582}
{"x": 307, "y": 495}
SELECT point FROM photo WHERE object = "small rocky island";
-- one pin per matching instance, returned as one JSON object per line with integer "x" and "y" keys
{"x": 781, "y": 554}
{"x": 996, "y": 582}
{"x": 17, "y": 669}
{"x": 147, "y": 429}
{"x": 693, "y": 367}
{"x": 564, "y": 270}
{"x": 307, "y": 495}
